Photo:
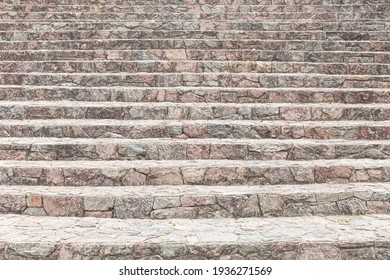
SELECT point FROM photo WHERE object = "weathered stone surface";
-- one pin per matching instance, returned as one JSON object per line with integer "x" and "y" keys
{"x": 95, "y": 203}
{"x": 98, "y": 214}
{"x": 271, "y": 205}
{"x": 63, "y": 206}
{"x": 127, "y": 208}
{"x": 166, "y": 202}
{"x": 353, "y": 206}
{"x": 197, "y": 200}
{"x": 165, "y": 176}
{"x": 30, "y": 250}
{"x": 214, "y": 239}
{"x": 244, "y": 126}
{"x": 133, "y": 178}
{"x": 54, "y": 177}
{"x": 219, "y": 176}
{"x": 136, "y": 150}
{"x": 193, "y": 176}
{"x": 249, "y": 208}
{"x": 35, "y": 212}
{"x": 106, "y": 151}
{"x": 310, "y": 209}
{"x": 12, "y": 204}
{"x": 302, "y": 175}
{"x": 380, "y": 207}
{"x": 171, "y": 213}
{"x": 34, "y": 201}
{"x": 278, "y": 175}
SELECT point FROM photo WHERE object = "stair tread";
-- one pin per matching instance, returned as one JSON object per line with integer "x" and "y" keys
{"x": 200, "y": 88}
{"x": 173, "y": 141}
{"x": 67, "y": 103}
{"x": 191, "y": 129}
{"x": 360, "y": 190}
{"x": 86, "y": 122}
{"x": 82, "y": 164}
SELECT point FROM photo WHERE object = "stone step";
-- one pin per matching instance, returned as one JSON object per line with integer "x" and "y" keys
{"x": 198, "y": 67}
{"x": 192, "y": 172}
{"x": 196, "y": 94}
{"x": 158, "y": 55}
{"x": 189, "y": 149}
{"x": 242, "y": 80}
{"x": 134, "y": 129}
{"x": 197, "y": 202}
{"x": 65, "y": 21}
{"x": 195, "y": 2}
{"x": 330, "y": 237}
{"x": 199, "y": 44}
{"x": 197, "y": 8}
{"x": 190, "y": 111}
{"x": 190, "y": 66}
{"x": 196, "y": 34}
{"x": 202, "y": 25}
{"x": 258, "y": 16}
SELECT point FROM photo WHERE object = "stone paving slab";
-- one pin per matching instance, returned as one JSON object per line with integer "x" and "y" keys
{"x": 194, "y": 172}
{"x": 196, "y": 94}
{"x": 189, "y": 149}
{"x": 135, "y": 129}
{"x": 333, "y": 237}
{"x": 197, "y": 202}
{"x": 208, "y": 44}
{"x": 189, "y": 111}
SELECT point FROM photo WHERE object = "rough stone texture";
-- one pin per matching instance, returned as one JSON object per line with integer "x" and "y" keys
{"x": 201, "y": 202}
{"x": 222, "y": 119}
{"x": 192, "y": 149}
{"x": 133, "y": 208}
{"x": 196, "y": 239}
{"x": 63, "y": 206}
{"x": 9, "y": 204}
{"x": 34, "y": 201}
{"x": 201, "y": 172}
{"x": 98, "y": 203}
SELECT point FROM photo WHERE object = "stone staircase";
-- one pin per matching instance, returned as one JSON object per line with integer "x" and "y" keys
{"x": 194, "y": 129}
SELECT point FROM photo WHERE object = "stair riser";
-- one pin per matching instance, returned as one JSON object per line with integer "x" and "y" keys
{"x": 232, "y": 35}
{"x": 194, "y": 55}
{"x": 152, "y": 251}
{"x": 193, "y": 2}
{"x": 184, "y": 151}
{"x": 260, "y": 131}
{"x": 197, "y": 80}
{"x": 229, "y": 95}
{"x": 194, "y": 67}
{"x": 198, "y": 8}
{"x": 154, "y": 173}
{"x": 195, "y": 25}
{"x": 197, "y": 207}
{"x": 258, "y": 16}
{"x": 187, "y": 112}
{"x": 312, "y": 46}
{"x": 211, "y": 176}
